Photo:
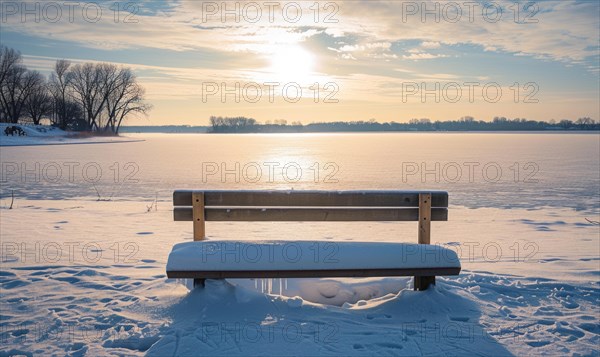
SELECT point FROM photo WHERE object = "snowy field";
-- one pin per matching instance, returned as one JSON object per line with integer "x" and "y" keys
{"x": 47, "y": 135}
{"x": 83, "y": 263}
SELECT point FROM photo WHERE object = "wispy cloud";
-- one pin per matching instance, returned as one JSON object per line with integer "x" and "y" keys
{"x": 565, "y": 30}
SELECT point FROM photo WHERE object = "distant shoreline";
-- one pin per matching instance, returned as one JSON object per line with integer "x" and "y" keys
{"x": 243, "y": 125}
{"x": 205, "y": 130}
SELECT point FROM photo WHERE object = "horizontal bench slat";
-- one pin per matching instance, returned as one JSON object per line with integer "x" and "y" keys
{"x": 335, "y": 273}
{"x": 266, "y": 198}
{"x": 248, "y": 214}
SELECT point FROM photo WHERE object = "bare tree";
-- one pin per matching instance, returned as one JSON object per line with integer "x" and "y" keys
{"x": 234, "y": 124}
{"x": 88, "y": 86}
{"x": 10, "y": 65}
{"x": 9, "y": 59}
{"x": 59, "y": 87}
{"x": 72, "y": 116}
{"x": 565, "y": 123}
{"x": 585, "y": 122}
{"x": 119, "y": 82}
{"x": 38, "y": 103}
{"x": 17, "y": 88}
{"x": 132, "y": 103}
{"x": 107, "y": 94}
{"x": 126, "y": 97}
{"x": 86, "y": 96}
{"x": 114, "y": 83}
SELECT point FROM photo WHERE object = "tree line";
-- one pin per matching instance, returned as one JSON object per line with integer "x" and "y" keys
{"x": 467, "y": 123}
{"x": 83, "y": 97}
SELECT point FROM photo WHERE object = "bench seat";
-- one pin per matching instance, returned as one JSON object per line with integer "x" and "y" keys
{"x": 217, "y": 259}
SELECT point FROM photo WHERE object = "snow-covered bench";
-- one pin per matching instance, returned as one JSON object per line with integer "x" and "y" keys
{"x": 209, "y": 259}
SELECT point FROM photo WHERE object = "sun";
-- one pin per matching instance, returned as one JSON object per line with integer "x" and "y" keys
{"x": 292, "y": 63}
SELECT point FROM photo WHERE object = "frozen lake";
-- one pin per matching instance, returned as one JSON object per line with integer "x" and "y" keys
{"x": 502, "y": 170}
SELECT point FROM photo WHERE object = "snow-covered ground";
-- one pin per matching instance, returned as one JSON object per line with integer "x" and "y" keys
{"x": 83, "y": 251}
{"x": 49, "y": 135}
{"x": 525, "y": 288}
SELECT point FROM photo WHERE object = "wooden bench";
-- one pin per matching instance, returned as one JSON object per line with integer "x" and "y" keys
{"x": 316, "y": 206}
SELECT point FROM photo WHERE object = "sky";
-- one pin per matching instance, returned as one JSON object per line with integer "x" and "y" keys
{"x": 320, "y": 61}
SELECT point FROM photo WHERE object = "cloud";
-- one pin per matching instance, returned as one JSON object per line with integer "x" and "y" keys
{"x": 351, "y": 48}
{"x": 565, "y": 30}
{"x": 161, "y": 82}
{"x": 366, "y": 37}
{"x": 430, "y": 44}
{"x": 423, "y": 56}
{"x": 371, "y": 50}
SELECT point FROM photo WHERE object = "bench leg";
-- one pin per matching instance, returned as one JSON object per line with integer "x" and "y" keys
{"x": 199, "y": 283}
{"x": 423, "y": 282}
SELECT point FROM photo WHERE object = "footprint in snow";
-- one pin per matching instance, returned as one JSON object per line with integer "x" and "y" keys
{"x": 570, "y": 304}
{"x": 459, "y": 318}
{"x": 377, "y": 316}
{"x": 590, "y": 327}
{"x": 390, "y": 345}
{"x": 537, "y": 343}
{"x": 545, "y": 322}
{"x": 570, "y": 333}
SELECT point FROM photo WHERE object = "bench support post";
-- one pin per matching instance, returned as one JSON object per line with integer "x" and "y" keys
{"x": 199, "y": 283}
{"x": 198, "y": 215}
{"x": 423, "y": 282}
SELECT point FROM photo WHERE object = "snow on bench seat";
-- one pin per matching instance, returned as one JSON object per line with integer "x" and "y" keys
{"x": 247, "y": 259}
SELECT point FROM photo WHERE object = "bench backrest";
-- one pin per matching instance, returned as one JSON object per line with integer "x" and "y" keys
{"x": 278, "y": 205}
